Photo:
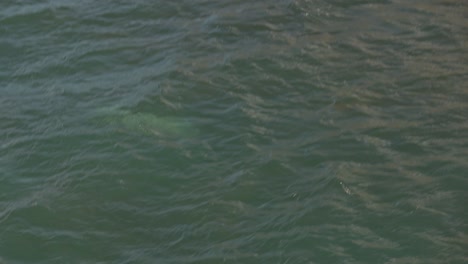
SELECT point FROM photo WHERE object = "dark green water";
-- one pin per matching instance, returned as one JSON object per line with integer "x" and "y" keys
{"x": 233, "y": 131}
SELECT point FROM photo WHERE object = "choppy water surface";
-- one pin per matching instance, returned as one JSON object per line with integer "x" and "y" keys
{"x": 233, "y": 131}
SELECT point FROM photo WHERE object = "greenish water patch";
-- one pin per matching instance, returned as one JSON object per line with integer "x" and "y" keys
{"x": 144, "y": 123}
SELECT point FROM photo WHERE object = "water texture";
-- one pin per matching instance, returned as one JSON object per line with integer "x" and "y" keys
{"x": 233, "y": 131}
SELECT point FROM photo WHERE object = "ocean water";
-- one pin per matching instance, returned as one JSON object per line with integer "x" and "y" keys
{"x": 285, "y": 131}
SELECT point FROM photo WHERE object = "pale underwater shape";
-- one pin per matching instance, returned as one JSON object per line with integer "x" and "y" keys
{"x": 145, "y": 123}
